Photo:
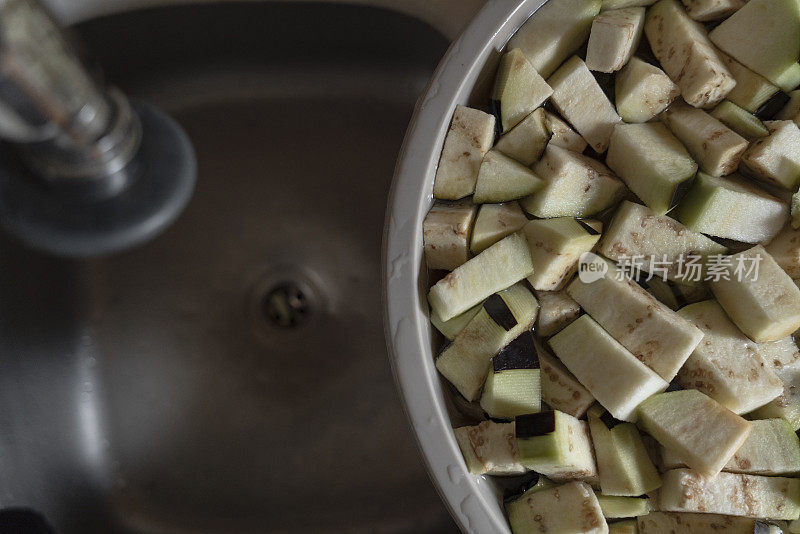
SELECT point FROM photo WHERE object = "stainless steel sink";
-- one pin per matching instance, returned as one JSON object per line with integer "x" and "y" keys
{"x": 230, "y": 376}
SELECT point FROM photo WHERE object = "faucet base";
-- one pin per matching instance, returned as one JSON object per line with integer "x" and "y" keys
{"x": 163, "y": 171}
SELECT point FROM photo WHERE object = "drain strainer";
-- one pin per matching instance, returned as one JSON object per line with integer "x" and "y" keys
{"x": 286, "y": 305}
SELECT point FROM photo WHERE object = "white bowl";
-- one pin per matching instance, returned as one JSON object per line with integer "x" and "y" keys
{"x": 464, "y": 76}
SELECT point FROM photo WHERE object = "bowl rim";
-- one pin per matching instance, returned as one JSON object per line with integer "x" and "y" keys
{"x": 474, "y": 502}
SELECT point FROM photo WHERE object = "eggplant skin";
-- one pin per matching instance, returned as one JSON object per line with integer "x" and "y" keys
{"x": 500, "y": 313}
{"x": 519, "y": 354}
{"x": 535, "y": 424}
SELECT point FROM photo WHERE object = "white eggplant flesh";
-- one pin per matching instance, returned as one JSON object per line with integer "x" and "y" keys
{"x": 554, "y": 32}
{"x": 469, "y": 137}
{"x": 733, "y": 208}
{"x": 758, "y": 295}
{"x": 734, "y": 494}
{"x": 579, "y": 98}
{"x": 657, "y": 336}
{"x": 771, "y": 449}
{"x": 751, "y": 90}
{"x": 489, "y": 448}
{"x": 739, "y": 120}
{"x": 526, "y": 141}
{"x": 465, "y": 361}
{"x": 518, "y": 89}
{"x": 575, "y": 186}
{"x": 552, "y": 510}
{"x": 563, "y": 135}
{"x": 494, "y": 222}
{"x": 608, "y": 370}
{"x": 501, "y": 265}
{"x": 682, "y": 47}
{"x": 556, "y": 244}
{"x": 636, "y": 230}
{"x": 763, "y": 36}
{"x": 560, "y": 389}
{"x": 642, "y": 91}
{"x": 614, "y": 37}
{"x": 502, "y": 179}
{"x": 716, "y": 148}
{"x": 706, "y": 10}
{"x": 556, "y": 310}
{"x": 784, "y": 358}
{"x": 775, "y": 159}
{"x": 698, "y": 523}
{"x": 727, "y": 366}
{"x": 652, "y": 162}
{"x": 446, "y": 232}
{"x": 785, "y": 250}
{"x": 695, "y": 427}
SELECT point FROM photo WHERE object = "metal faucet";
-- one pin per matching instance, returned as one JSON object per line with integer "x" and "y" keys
{"x": 83, "y": 170}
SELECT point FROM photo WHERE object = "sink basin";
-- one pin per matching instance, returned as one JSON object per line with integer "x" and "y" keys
{"x": 230, "y": 376}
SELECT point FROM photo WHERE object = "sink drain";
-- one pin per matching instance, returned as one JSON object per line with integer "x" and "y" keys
{"x": 286, "y": 305}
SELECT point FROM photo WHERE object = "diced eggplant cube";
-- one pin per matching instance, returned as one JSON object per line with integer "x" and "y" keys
{"x": 563, "y": 135}
{"x": 785, "y": 250}
{"x": 784, "y": 358}
{"x": 739, "y": 120}
{"x": 560, "y": 389}
{"x": 450, "y": 329}
{"x": 618, "y": 507}
{"x": 685, "y": 490}
{"x": 731, "y": 208}
{"x": 772, "y": 448}
{"x": 518, "y": 89}
{"x": 513, "y": 385}
{"x": 575, "y": 186}
{"x": 556, "y": 310}
{"x": 696, "y": 523}
{"x": 705, "y": 10}
{"x": 579, "y": 98}
{"x": 726, "y": 366}
{"x": 696, "y": 427}
{"x": 775, "y": 159}
{"x": 552, "y": 510}
{"x": 556, "y": 445}
{"x": 501, "y": 179}
{"x": 556, "y": 244}
{"x": 716, "y": 148}
{"x": 465, "y": 361}
{"x": 489, "y": 448}
{"x": 686, "y": 54}
{"x": 758, "y": 295}
{"x": 526, "y": 141}
{"x": 623, "y": 465}
{"x": 614, "y": 37}
{"x": 469, "y": 137}
{"x": 751, "y": 90}
{"x": 494, "y": 222}
{"x": 554, "y": 31}
{"x": 642, "y": 91}
{"x": 763, "y": 36}
{"x": 445, "y": 233}
{"x": 652, "y": 162}
{"x": 636, "y": 230}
